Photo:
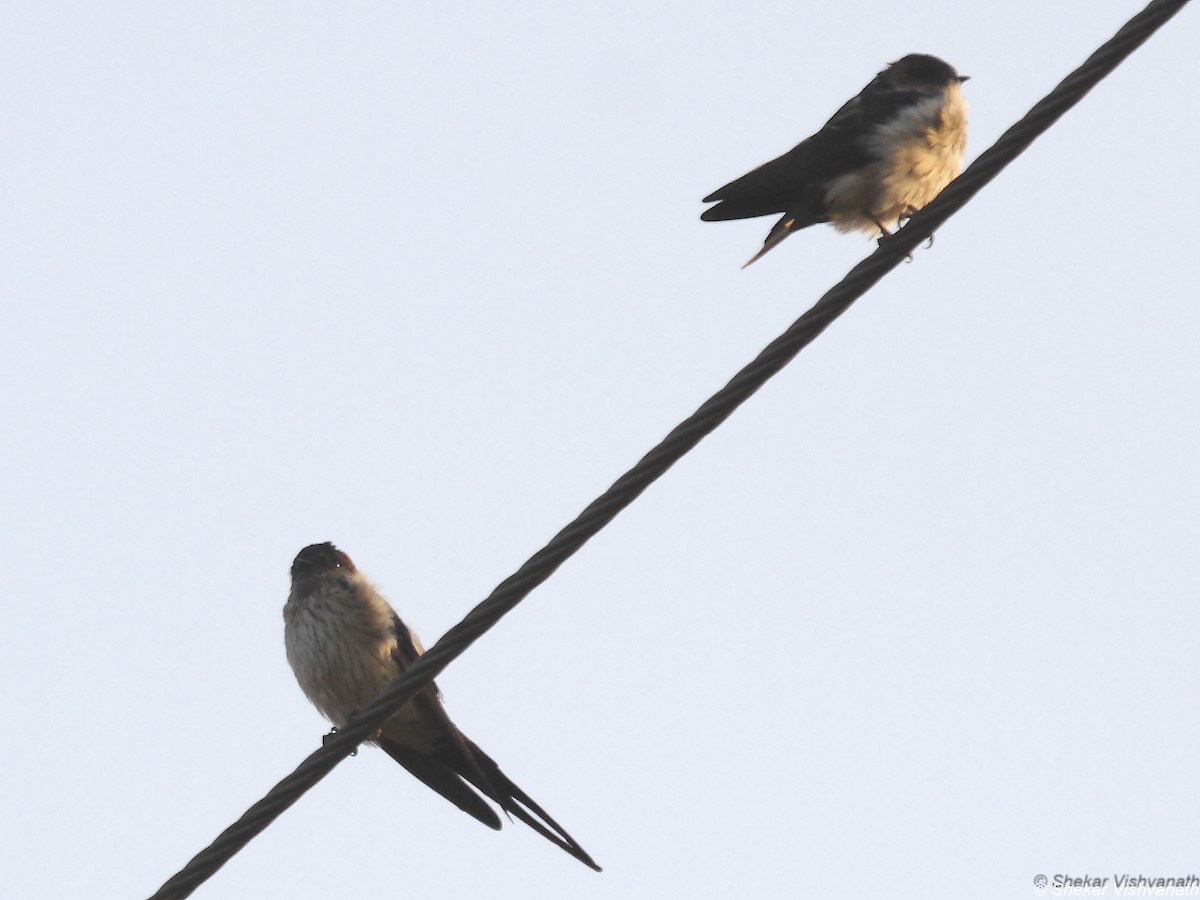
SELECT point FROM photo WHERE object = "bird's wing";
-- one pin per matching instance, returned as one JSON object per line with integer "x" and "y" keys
{"x": 432, "y": 748}
{"x": 794, "y": 183}
{"x": 786, "y": 182}
{"x": 442, "y": 778}
{"x": 424, "y": 740}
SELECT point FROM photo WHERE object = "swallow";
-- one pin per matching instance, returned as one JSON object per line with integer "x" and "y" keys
{"x": 345, "y": 644}
{"x": 885, "y": 154}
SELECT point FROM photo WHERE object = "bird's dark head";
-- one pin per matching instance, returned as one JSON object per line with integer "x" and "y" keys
{"x": 316, "y": 560}
{"x": 919, "y": 71}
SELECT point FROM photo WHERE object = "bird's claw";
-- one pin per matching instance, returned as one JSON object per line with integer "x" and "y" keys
{"x": 332, "y": 731}
{"x": 903, "y": 218}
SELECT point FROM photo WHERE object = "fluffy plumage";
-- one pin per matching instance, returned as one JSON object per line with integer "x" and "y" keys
{"x": 885, "y": 154}
{"x": 345, "y": 644}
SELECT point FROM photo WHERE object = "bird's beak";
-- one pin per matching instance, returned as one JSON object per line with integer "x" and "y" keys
{"x": 962, "y": 78}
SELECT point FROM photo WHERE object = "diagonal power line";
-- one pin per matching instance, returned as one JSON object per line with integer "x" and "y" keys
{"x": 673, "y": 447}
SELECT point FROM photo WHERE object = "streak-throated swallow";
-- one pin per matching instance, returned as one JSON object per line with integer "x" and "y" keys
{"x": 884, "y": 155}
{"x": 345, "y": 644}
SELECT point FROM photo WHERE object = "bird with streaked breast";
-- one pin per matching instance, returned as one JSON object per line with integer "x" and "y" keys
{"x": 345, "y": 644}
{"x": 885, "y": 154}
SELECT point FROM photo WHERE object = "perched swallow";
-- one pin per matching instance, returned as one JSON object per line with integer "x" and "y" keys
{"x": 345, "y": 644}
{"x": 882, "y": 156}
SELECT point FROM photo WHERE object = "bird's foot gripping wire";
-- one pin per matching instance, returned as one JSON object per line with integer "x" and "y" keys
{"x": 332, "y": 731}
{"x": 908, "y": 213}
{"x": 884, "y": 234}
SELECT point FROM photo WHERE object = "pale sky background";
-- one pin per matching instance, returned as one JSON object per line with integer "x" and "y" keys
{"x": 919, "y": 621}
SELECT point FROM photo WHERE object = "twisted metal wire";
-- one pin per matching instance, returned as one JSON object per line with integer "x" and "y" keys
{"x": 672, "y": 448}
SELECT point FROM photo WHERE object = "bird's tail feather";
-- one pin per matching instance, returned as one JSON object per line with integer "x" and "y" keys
{"x": 781, "y": 229}
{"x": 516, "y": 802}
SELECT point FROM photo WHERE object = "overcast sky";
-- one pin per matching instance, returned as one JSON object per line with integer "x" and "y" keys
{"x": 919, "y": 621}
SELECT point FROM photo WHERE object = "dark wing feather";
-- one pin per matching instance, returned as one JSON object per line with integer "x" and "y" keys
{"x": 787, "y": 182}
{"x": 794, "y": 183}
{"x": 429, "y": 732}
{"x": 431, "y": 747}
{"x": 443, "y": 779}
